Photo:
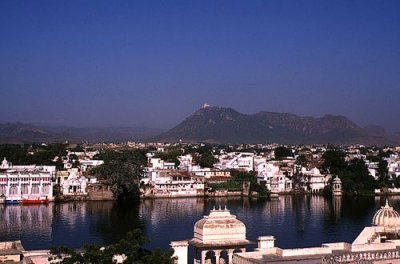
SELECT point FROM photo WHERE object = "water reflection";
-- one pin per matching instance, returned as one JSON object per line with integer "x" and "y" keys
{"x": 157, "y": 212}
{"x": 33, "y": 220}
{"x": 337, "y": 207}
{"x": 295, "y": 221}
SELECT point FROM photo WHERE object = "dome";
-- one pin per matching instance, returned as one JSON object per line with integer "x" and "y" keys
{"x": 386, "y": 217}
{"x": 337, "y": 180}
{"x": 5, "y": 164}
{"x": 220, "y": 227}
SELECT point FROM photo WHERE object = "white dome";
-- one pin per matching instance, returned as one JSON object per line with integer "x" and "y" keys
{"x": 220, "y": 227}
{"x": 337, "y": 180}
{"x": 386, "y": 217}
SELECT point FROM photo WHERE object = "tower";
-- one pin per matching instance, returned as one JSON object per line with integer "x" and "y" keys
{"x": 337, "y": 187}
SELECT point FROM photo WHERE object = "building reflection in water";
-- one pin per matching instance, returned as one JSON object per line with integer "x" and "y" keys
{"x": 337, "y": 207}
{"x": 71, "y": 224}
{"x": 34, "y": 220}
{"x": 71, "y": 213}
{"x": 159, "y": 211}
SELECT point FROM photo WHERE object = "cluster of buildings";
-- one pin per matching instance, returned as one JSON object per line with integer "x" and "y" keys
{"x": 188, "y": 178}
{"x": 280, "y": 175}
{"x": 36, "y": 183}
{"x": 300, "y": 171}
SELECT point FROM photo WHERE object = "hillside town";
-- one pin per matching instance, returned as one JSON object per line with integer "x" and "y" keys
{"x": 199, "y": 170}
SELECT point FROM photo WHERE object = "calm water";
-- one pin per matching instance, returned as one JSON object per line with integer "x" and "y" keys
{"x": 295, "y": 221}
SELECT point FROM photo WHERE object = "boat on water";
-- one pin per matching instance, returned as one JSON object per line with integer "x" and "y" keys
{"x": 37, "y": 200}
{"x": 10, "y": 202}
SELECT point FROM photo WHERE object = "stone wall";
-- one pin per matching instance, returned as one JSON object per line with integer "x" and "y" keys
{"x": 223, "y": 193}
{"x": 306, "y": 251}
{"x": 151, "y": 193}
{"x": 338, "y": 246}
{"x": 11, "y": 251}
{"x": 100, "y": 192}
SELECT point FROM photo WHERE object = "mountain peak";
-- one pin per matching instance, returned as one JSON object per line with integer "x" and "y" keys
{"x": 216, "y": 110}
{"x": 226, "y": 125}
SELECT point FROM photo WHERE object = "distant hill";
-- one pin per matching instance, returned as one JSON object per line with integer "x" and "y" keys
{"x": 20, "y": 133}
{"x": 216, "y": 125}
{"x": 15, "y": 133}
{"x": 226, "y": 125}
{"x": 105, "y": 134}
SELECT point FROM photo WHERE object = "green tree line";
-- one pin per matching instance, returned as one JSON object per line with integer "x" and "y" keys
{"x": 131, "y": 247}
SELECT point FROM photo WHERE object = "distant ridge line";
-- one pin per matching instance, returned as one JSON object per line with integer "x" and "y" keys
{"x": 224, "y": 125}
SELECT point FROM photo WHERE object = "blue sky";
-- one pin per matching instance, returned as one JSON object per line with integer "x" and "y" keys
{"x": 152, "y": 63}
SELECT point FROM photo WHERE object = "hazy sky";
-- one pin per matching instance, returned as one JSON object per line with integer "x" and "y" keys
{"x": 152, "y": 63}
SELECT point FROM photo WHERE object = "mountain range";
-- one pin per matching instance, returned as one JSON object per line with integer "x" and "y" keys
{"x": 27, "y": 133}
{"x": 226, "y": 125}
{"x": 218, "y": 125}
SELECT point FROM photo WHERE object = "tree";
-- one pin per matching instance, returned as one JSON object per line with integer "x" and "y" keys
{"x": 382, "y": 169}
{"x": 356, "y": 178}
{"x": 77, "y": 148}
{"x": 237, "y": 180}
{"x": 170, "y": 156}
{"x": 396, "y": 182}
{"x": 122, "y": 171}
{"x": 206, "y": 160}
{"x": 385, "y": 154}
{"x": 131, "y": 247}
{"x": 301, "y": 160}
{"x": 334, "y": 161}
{"x": 283, "y": 152}
{"x": 13, "y": 153}
{"x": 74, "y": 160}
{"x": 34, "y": 154}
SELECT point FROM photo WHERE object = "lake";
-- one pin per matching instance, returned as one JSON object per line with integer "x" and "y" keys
{"x": 295, "y": 221}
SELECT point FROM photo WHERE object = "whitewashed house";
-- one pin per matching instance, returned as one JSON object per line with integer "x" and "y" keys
{"x": 269, "y": 173}
{"x": 185, "y": 162}
{"x": 316, "y": 181}
{"x": 236, "y": 160}
{"x": 75, "y": 184}
{"x": 87, "y": 164}
{"x": 157, "y": 163}
{"x": 172, "y": 183}
{"x": 19, "y": 182}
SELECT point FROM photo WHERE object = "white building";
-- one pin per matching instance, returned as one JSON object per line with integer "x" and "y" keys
{"x": 236, "y": 160}
{"x": 208, "y": 173}
{"x": 185, "y": 162}
{"x": 271, "y": 173}
{"x": 86, "y": 165}
{"x": 157, "y": 163}
{"x": 172, "y": 183}
{"x": 372, "y": 168}
{"x": 393, "y": 168}
{"x": 75, "y": 184}
{"x": 315, "y": 181}
{"x": 30, "y": 185}
{"x": 26, "y": 181}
